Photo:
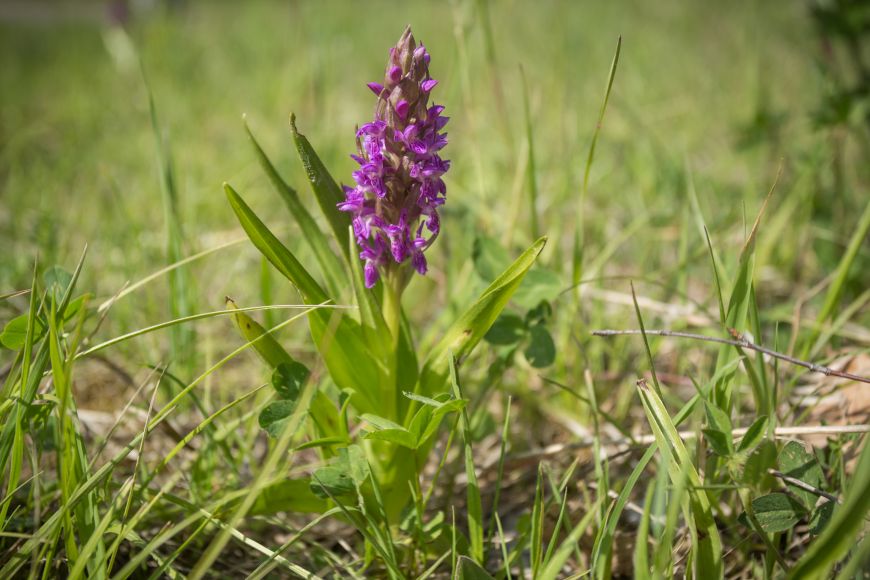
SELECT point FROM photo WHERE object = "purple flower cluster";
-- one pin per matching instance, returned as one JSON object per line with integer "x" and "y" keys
{"x": 398, "y": 183}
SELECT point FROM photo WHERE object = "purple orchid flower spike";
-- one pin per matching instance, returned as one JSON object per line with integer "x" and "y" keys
{"x": 399, "y": 184}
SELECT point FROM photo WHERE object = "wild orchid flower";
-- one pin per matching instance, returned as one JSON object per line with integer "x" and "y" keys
{"x": 399, "y": 182}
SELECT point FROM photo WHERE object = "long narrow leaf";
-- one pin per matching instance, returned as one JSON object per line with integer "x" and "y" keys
{"x": 469, "y": 329}
{"x": 330, "y": 264}
{"x": 325, "y": 188}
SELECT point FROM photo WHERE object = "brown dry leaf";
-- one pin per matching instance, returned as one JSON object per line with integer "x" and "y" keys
{"x": 837, "y": 401}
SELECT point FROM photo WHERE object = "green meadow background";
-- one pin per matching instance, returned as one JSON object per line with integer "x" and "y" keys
{"x": 713, "y": 104}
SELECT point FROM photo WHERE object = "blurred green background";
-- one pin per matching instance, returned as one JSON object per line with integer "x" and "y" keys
{"x": 710, "y": 97}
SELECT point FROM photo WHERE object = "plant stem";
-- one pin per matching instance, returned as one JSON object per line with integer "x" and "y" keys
{"x": 392, "y": 311}
{"x": 392, "y": 304}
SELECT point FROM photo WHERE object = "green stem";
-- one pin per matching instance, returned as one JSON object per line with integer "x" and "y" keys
{"x": 392, "y": 311}
{"x": 392, "y": 305}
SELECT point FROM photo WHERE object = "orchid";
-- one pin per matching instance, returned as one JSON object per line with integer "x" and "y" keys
{"x": 399, "y": 184}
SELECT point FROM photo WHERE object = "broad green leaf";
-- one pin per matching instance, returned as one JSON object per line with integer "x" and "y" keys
{"x": 428, "y": 417}
{"x": 540, "y": 285}
{"x": 796, "y": 462}
{"x": 718, "y": 442}
{"x": 420, "y": 421}
{"x": 275, "y": 415}
{"x": 336, "y": 480}
{"x": 288, "y": 379}
{"x": 469, "y": 329}
{"x": 344, "y": 475}
{"x": 719, "y": 429}
{"x": 777, "y": 512}
{"x": 56, "y": 281}
{"x": 755, "y": 470}
{"x": 288, "y": 495}
{"x": 326, "y": 190}
{"x": 354, "y": 458}
{"x": 754, "y": 435}
{"x": 400, "y": 436}
{"x": 845, "y": 526}
{"x": 820, "y": 517}
{"x": 507, "y": 329}
{"x": 541, "y": 350}
{"x": 14, "y": 334}
{"x": 330, "y": 265}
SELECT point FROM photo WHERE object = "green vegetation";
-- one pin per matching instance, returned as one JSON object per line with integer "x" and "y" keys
{"x": 194, "y": 381}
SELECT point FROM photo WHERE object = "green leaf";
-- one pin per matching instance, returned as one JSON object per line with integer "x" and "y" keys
{"x": 489, "y": 257}
{"x": 820, "y": 517}
{"x": 379, "y": 422}
{"x": 541, "y": 350}
{"x": 540, "y": 285}
{"x": 330, "y": 264}
{"x": 469, "y": 329}
{"x": 335, "y": 479}
{"x": 288, "y": 379}
{"x": 736, "y": 314}
{"x": 274, "y": 250}
{"x": 428, "y": 417}
{"x": 839, "y": 536}
{"x": 323, "y": 442}
{"x": 777, "y": 512}
{"x": 719, "y": 424}
{"x": 339, "y": 338}
{"x": 796, "y": 462}
{"x": 288, "y": 495}
{"x": 345, "y": 475}
{"x": 707, "y": 556}
{"x": 386, "y": 430}
{"x": 56, "y": 281}
{"x": 425, "y": 400}
{"x": 472, "y": 490}
{"x": 14, "y": 333}
{"x": 326, "y": 416}
{"x": 275, "y": 415}
{"x": 326, "y": 190}
{"x": 718, "y": 442}
{"x": 468, "y": 569}
{"x": 507, "y": 329}
{"x": 420, "y": 422}
{"x": 400, "y": 436}
{"x": 762, "y": 458}
{"x": 753, "y": 435}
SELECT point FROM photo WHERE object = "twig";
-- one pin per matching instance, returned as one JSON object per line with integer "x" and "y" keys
{"x": 740, "y": 342}
{"x": 803, "y": 485}
{"x": 643, "y": 440}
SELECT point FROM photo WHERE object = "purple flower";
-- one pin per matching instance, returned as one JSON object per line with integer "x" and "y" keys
{"x": 399, "y": 183}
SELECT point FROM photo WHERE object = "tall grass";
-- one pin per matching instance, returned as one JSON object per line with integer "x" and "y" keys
{"x": 133, "y": 439}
